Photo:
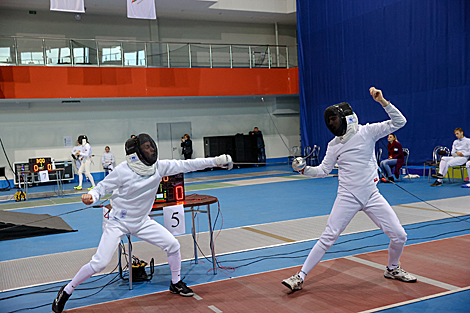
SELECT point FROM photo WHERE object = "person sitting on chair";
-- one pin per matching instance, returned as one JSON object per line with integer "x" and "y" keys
{"x": 460, "y": 154}
{"x": 395, "y": 158}
{"x": 107, "y": 160}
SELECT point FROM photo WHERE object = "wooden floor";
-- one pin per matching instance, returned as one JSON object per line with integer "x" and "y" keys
{"x": 341, "y": 285}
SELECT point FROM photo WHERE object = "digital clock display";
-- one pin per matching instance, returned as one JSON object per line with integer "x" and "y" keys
{"x": 40, "y": 164}
{"x": 171, "y": 189}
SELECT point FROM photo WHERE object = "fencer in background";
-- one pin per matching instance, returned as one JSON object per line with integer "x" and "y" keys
{"x": 134, "y": 184}
{"x": 353, "y": 150}
{"x": 107, "y": 160}
{"x": 460, "y": 154}
{"x": 85, "y": 158}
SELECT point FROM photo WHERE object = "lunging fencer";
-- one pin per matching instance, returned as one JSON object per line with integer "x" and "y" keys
{"x": 85, "y": 157}
{"x": 353, "y": 150}
{"x": 134, "y": 183}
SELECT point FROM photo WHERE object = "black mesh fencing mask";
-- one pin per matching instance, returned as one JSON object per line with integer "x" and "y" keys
{"x": 335, "y": 118}
{"x": 145, "y": 148}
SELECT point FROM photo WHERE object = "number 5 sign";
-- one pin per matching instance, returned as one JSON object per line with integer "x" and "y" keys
{"x": 173, "y": 217}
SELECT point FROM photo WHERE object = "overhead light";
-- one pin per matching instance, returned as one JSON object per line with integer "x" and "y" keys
{"x": 78, "y": 17}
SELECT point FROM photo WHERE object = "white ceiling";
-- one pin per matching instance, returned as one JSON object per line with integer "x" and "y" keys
{"x": 246, "y": 11}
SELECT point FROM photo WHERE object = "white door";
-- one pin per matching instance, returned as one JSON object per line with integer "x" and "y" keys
{"x": 169, "y": 139}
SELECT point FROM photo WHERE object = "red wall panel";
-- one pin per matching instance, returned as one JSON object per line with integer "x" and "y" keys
{"x": 33, "y": 82}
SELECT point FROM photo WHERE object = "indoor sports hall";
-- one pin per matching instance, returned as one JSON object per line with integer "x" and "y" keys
{"x": 251, "y": 80}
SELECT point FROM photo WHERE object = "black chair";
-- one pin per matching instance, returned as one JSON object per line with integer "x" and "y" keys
{"x": 437, "y": 154}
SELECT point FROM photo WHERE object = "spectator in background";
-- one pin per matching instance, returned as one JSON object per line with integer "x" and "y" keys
{"x": 107, "y": 159}
{"x": 259, "y": 144}
{"x": 187, "y": 146}
{"x": 460, "y": 154}
{"x": 396, "y": 158}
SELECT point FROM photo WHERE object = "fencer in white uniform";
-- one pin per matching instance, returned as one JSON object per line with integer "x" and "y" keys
{"x": 85, "y": 157}
{"x": 134, "y": 184}
{"x": 353, "y": 150}
{"x": 460, "y": 154}
{"x": 107, "y": 159}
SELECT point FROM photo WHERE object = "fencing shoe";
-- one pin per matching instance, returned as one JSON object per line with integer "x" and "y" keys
{"x": 181, "y": 289}
{"x": 466, "y": 186}
{"x": 59, "y": 301}
{"x": 436, "y": 184}
{"x": 400, "y": 274}
{"x": 293, "y": 283}
{"x": 78, "y": 188}
{"x": 438, "y": 176}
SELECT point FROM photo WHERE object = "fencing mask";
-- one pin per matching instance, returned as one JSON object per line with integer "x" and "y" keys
{"x": 341, "y": 121}
{"x": 82, "y": 140}
{"x": 142, "y": 154}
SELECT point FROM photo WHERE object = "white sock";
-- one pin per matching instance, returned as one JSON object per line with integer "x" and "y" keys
{"x": 83, "y": 274}
{"x": 174, "y": 260}
{"x": 314, "y": 257}
{"x": 80, "y": 180}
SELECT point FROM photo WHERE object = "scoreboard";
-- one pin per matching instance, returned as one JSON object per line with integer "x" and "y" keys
{"x": 171, "y": 189}
{"x": 40, "y": 164}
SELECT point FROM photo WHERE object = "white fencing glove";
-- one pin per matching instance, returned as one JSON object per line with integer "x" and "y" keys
{"x": 224, "y": 161}
{"x": 299, "y": 164}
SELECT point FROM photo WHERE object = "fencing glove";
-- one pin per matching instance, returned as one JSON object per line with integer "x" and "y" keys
{"x": 224, "y": 161}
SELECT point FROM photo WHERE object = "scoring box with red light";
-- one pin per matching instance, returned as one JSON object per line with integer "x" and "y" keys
{"x": 40, "y": 164}
{"x": 171, "y": 189}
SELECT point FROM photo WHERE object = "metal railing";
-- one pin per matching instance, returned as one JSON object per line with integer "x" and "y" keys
{"x": 48, "y": 51}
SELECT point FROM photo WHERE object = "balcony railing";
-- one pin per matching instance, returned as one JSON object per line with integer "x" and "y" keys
{"x": 44, "y": 51}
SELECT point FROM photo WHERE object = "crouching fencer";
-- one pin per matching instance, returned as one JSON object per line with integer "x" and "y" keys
{"x": 353, "y": 150}
{"x": 135, "y": 183}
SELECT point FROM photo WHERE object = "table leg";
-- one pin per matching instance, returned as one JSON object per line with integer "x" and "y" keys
{"x": 212, "y": 239}
{"x": 194, "y": 237}
{"x": 130, "y": 261}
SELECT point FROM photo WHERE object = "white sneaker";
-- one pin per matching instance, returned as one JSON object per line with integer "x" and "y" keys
{"x": 400, "y": 274}
{"x": 293, "y": 283}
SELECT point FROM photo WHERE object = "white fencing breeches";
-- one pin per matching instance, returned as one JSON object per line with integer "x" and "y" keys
{"x": 344, "y": 209}
{"x": 85, "y": 167}
{"x": 148, "y": 230}
{"x": 447, "y": 162}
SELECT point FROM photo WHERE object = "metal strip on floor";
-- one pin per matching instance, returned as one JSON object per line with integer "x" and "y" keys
{"x": 39, "y": 270}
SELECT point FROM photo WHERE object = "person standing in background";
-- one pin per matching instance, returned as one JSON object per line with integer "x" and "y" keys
{"x": 85, "y": 157}
{"x": 259, "y": 144}
{"x": 187, "y": 146}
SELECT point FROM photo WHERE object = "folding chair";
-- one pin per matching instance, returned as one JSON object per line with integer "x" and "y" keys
{"x": 437, "y": 154}
{"x": 406, "y": 152}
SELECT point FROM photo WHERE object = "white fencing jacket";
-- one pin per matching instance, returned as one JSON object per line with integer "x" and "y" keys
{"x": 357, "y": 164}
{"x": 133, "y": 194}
{"x": 86, "y": 151}
{"x": 107, "y": 158}
{"x": 462, "y": 145}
